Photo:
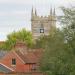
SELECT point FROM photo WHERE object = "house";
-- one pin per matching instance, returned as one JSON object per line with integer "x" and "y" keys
{"x": 21, "y": 59}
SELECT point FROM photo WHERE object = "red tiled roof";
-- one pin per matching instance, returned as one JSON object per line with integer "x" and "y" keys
{"x": 26, "y": 54}
{"x": 21, "y": 56}
{"x": 31, "y": 57}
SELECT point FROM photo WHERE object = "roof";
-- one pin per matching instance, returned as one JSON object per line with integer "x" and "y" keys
{"x": 4, "y": 69}
{"x": 2, "y": 53}
{"x": 30, "y": 57}
{"x": 26, "y": 54}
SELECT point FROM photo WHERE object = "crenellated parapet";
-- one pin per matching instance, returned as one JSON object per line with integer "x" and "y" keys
{"x": 41, "y": 25}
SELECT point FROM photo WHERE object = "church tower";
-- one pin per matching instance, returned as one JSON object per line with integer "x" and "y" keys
{"x": 42, "y": 25}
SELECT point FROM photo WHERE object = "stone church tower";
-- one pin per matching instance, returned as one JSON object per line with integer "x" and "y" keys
{"x": 42, "y": 25}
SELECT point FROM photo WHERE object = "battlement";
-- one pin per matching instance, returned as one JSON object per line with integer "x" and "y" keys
{"x": 41, "y": 25}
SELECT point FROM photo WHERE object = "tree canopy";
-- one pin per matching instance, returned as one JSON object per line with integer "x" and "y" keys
{"x": 59, "y": 56}
{"x": 21, "y": 35}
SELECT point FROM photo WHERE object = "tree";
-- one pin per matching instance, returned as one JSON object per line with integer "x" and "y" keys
{"x": 69, "y": 21}
{"x": 21, "y": 35}
{"x": 59, "y": 57}
{"x": 40, "y": 43}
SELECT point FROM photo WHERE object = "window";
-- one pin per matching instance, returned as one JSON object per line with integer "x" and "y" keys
{"x": 41, "y": 30}
{"x": 33, "y": 67}
{"x": 13, "y": 61}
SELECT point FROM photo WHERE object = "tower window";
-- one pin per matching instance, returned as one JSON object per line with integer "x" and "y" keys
{"x": 13, "y": 61}
{"x": 41, "y": 30}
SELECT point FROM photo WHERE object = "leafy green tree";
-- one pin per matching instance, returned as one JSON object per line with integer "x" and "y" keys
{"x": 59, "y": 56}
{"x": 68, "y": 21}
{"x": 21, "y": 35}
{"x": 58, "y": 59}
{"x": 40, "y": 43}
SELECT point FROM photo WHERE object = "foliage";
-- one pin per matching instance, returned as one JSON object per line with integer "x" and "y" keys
{"x": 69, "y": 30}
{"x": 21, "y": 35}
{"x": 68, "y": 19}
{"x": 58, "y": 58}
{"x": 59, "y": 55}
{"x": 40, "y": 43}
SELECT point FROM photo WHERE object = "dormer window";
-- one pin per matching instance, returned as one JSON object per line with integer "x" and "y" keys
{"x": 13, "y": 61}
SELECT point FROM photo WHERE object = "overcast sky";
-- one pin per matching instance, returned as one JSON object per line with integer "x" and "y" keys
{"x": 16, "y": 14}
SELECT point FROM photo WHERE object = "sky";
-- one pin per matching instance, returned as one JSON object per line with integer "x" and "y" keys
{"x": 16, "y": 14}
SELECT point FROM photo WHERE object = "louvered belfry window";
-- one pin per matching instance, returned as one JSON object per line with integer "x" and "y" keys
{"x": 41, "y": 28}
